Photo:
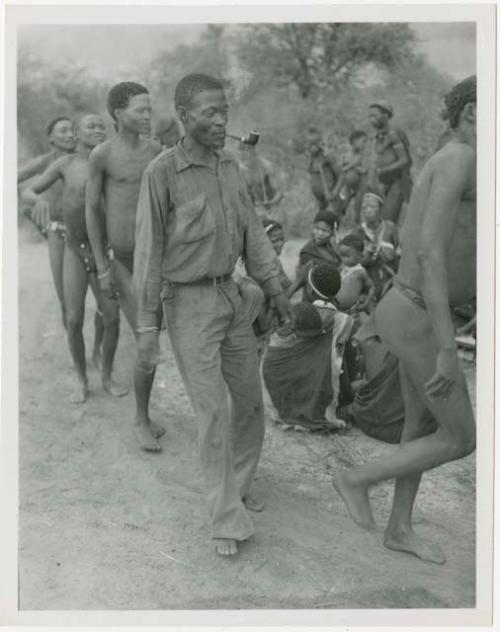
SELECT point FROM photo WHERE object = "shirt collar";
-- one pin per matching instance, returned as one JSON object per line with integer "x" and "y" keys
{"x": 183, "y": 159}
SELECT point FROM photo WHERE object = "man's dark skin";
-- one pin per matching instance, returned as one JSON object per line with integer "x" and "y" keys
{"x": 326, "y": 179}
{"x": 438, "y": 263}
{"x": 115, "y": 172}
{"x": 390, "y": 158}
{"x": 48, "y": 207}
{"x": 205, "y": 129}
{"x": 72, "y": 170}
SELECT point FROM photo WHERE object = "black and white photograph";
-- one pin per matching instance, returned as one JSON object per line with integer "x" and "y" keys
{"x": 253, "y": 318}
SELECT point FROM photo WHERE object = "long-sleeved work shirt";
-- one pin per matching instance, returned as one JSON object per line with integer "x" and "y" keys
{"x": 193, "y": 222}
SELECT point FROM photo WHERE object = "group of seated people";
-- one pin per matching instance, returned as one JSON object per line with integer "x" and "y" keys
{"x": 328, "y": 369}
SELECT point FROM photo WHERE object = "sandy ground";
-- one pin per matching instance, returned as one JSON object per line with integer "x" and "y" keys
{"x": 106, "y": 526}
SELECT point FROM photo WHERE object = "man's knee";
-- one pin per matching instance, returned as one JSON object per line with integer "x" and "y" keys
{"x": 460, "y": 443}
{"x": 74, "y": 322}
{"x": 110, "y": 317}
{"x": 465, "y": 442}
{"x": 147, "y": 357}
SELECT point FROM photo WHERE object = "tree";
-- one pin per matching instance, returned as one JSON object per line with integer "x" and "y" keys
{"x": 208, "y": 55}
{"x": 45, "y": 91}
{"x": 315, "y": 56}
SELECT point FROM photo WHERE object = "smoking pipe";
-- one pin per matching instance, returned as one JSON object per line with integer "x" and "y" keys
{"x": 252, "y": 138}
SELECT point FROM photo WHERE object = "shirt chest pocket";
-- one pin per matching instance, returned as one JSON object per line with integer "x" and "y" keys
{"x": 194, "y": 220}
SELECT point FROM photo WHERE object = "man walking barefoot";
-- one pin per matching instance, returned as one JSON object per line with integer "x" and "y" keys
{"x": 115, "y": 171}
{"x": 194, "y": 220}
{"x": 79, "y": 266}
{"x": 437, "y": 270}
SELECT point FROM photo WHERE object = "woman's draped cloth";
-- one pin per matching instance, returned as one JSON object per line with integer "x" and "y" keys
{"x": 303, "y": 375}
{"x": 378, "y": 408}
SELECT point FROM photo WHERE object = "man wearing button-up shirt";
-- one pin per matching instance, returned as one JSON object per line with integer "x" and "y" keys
{"x": 194, "y": 220}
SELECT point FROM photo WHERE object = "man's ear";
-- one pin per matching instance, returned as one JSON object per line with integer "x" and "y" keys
{"x": 181, "y": 112}
{"x": 469, "y": 112}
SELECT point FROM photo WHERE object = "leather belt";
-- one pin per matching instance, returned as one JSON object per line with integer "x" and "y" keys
{"x": 218, "y": 280}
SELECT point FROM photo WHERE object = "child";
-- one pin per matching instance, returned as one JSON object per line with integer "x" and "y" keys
{"x": 274, "y": 230}
{"x": 357, "y": 290}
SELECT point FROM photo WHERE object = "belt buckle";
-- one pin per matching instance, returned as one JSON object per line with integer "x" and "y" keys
{"x": 218, "y": 280}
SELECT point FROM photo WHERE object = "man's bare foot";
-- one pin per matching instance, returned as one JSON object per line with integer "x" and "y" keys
{"x": 253, "y": 503}
{"x": 356, "y": 500}
{"x": 80, "y": 393}
{"x": 113, "y": 388}
{"x": 145, "y": 438}
{"x": 156, "y": 430}
{"x": 226, "y": 547}
{"x": 97, "y": 360}
{"x": 410, "y": 542}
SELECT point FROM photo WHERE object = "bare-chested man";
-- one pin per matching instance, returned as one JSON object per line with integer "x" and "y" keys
{"x": 437, "y": 270}
{"x": 391, "y": 160}
{"x": 115, "y": 171}
{"x": 79, "y": 268}
{"x": 47, "y": 213}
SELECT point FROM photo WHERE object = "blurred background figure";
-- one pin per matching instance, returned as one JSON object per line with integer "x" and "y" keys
{"x": 391, "y": 160}
{"x": 325, "y": 173}
{"x": 261, "y": 179}
{"x": 167, "y": 131}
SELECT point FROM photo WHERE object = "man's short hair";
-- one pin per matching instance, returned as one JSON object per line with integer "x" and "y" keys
{"x": 53, "y": 122}
{"x": 325, "y": 280}
{"x": 327, "y": 217}
{"x": 119, "y": 96}
{"x": 358, "y": 133}
{"x": 458, "y": 97}
{"x": 355, "y": 241}
{"x": 192, "y": 84}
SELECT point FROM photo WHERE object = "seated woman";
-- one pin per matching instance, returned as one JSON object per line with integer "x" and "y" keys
{"x": 380, "y": 258}
{"x": 302, "y": 366}
{"x": 378, "y": 408}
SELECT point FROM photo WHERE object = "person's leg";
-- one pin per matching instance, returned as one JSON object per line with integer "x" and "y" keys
{"x": 75, "y": 284}
{"x": 240, "y": 367}
{"x": 393, "y": 202}
{"x": 56, "y": 255}
{"x": 98, "y": 338}
{"x": 399, "y": 534}
{"x": 407, "y": 331}
{"x": 110, "y": 316}
{"x": 147, "y": 431}
{"x": 197, "y": 319}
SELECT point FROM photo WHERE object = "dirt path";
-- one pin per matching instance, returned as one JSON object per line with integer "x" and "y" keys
{"x": 106, "y": 526}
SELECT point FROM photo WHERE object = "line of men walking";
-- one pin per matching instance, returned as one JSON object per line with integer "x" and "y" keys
{"x": 158, "y": 232}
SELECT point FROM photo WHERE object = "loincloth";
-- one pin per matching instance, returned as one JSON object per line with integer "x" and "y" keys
{"x": 83, "y": 250}
{"x": 412, "y": 295}
{"x": 59, "y": 228}
{"x": 125, "y": 258}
